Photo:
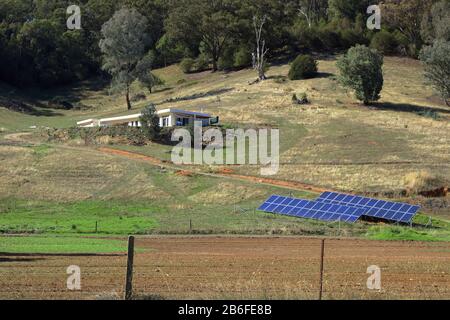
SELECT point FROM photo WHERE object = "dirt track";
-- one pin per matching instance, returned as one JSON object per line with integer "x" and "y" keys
{"x": 223, "y": 174}
{"x": 215, "y": 267}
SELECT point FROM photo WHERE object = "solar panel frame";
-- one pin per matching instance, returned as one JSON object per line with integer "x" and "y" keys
{"x": 388, "y": 210}
{"x": 310, "y": 209}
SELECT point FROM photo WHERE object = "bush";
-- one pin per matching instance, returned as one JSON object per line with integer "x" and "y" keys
{"x": 361, "y": 70}
{"x": 350, "y": 38}
{"x": 303, "y": 67}
{"x": 226, "y": 61}
{"x": 242, "y": 57}
{"x": 435, "y": 23}
{"x": 187, "y": 65}
{"x": 436, "y": 59}
{"x": 302, "y": 100}
{"x": 150, "y": 122}
{"x": 385, "y": 42}
{"x": 329, "y": 38}
{"x": 202, "y": 62}
{"x": 305, "y": 38}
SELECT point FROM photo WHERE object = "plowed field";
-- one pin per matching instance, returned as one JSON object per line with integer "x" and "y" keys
{"x": 238, "y": 268}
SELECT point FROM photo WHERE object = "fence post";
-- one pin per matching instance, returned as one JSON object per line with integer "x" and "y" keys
{"x": 339, "y": 226}
{"x": 129, "y": 277}
{"x": 322, "y": 253}
{"x": 96, "y": 226}
{"x": 190, "y": 225}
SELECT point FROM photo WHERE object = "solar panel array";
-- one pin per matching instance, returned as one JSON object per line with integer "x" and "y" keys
{"x": 311, "y": 209}
{"x": 394, "y": 211}
{"x": 332, "y": 206}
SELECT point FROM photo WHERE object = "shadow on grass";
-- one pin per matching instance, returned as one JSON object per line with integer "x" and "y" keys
{"x": 162, "y": 90}
{"x": 31, "y": 100}
{"x": 200, "y": 95}
{"x": 321, "y": 75}
{"x": 318, "y": 75}
{"x": 26, "y": 108}
{"x": 19, "y": 259}
{"x": 405, "y": 107}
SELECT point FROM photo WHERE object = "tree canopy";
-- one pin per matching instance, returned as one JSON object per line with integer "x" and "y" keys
{"x": 36, "y": 48}
{"x": 124, "y": 45}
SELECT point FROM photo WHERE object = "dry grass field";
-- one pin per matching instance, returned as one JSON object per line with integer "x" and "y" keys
{"x": 391, "y": 149}
{"x": 334, "y": 142}
{"x": 237, "y": 268}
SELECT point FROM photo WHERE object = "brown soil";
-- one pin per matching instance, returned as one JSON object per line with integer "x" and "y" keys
{"x": 131, "y": 155}
{"x": 237, "y": 268}
{"x": 222, "y": 173}
{"x": 184, "y": 173}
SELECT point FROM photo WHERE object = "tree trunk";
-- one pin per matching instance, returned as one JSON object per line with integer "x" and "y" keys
{"x": 215, "y": 68}
{"x": 128, "y": 98}
{"x": 262, "y": 75}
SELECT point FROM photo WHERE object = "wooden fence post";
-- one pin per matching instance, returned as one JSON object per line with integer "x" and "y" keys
{"x": 129, "y": 278}
{"x": 322, "y": 253}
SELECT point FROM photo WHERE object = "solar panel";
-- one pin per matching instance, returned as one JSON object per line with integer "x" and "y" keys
{"x": 395, "y": 211}
{"x": 311, "y": 209}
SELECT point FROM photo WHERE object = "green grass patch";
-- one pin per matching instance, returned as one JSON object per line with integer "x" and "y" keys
{"x": 56, "y": 244}
{"x": 42, "y": 150}
{"x": 76, "y": 218}
{"x": 391, "y": 233}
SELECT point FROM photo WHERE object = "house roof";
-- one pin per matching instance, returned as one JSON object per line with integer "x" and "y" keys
{"x": 129, "y": 117}
{"x": 183, "y": 112}
{"x": 85, "y": 121}
{"x": 135, "y": 117}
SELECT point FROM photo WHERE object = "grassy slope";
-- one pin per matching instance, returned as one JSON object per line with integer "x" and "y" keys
{"x": 66, "y": 190}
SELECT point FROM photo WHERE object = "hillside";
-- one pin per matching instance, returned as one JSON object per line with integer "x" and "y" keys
{"x": 357, "y": 148}
{"x": 332, "y": 143}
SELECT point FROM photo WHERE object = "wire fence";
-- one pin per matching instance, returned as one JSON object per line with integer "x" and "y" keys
{"x": 212, "y": 267}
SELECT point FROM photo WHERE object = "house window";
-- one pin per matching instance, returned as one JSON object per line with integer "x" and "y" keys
{"x": 165, "y": 122}
{"x": 182, "y": 122}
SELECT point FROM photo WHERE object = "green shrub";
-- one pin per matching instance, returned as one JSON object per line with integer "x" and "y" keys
{"x": 385, "y": 42}
{"x": 242, "y": 57}
{"x": 202, "y": 62}
{"x": 305, "y": 38}
{"x": 187, "y": 65}
{"x": 351, "y": 37}
{"x": 226, "y": 60}
{"x": 303, "y": 67}
{"x": 329, "y": 38}
{"x": 361, "y": 70}
{"x": 436, "y": 59}
{"x": 150, "y": 122}
{"x": 302, "y": 99}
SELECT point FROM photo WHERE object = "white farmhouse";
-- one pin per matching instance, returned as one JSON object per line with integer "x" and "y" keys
{"x": 167, "y": 118}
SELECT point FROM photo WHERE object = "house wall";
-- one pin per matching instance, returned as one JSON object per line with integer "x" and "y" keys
{"x": 134, "y": 121}
{"x": 171, "y": 121}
